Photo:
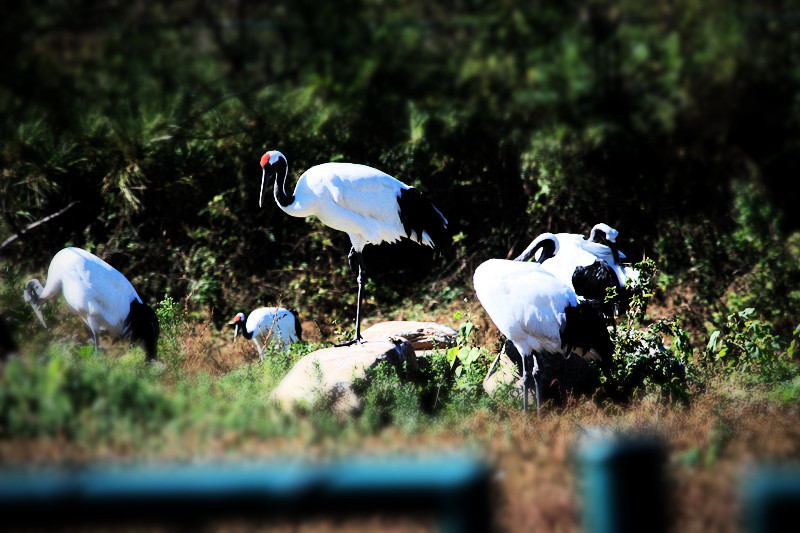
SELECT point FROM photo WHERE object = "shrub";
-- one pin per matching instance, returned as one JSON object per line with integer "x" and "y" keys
{"x": 73, "y": 392}
{"x": 389, "y": 399}
{"x": 466, "y": 362}
{"x": 643, "y": 358}
{"x": 748, "y": 346}
{"x": 645, "y": 362}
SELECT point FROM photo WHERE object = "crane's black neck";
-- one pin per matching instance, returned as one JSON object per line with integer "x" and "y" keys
{"x": 281, "y": 168}
{"x": 548, "y": 247}
{"x": 546, "y": 244}
{"x": 614, "y": 252}
{"x": 243, "y": 331}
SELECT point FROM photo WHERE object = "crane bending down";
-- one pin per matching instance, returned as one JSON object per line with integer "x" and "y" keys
{"x": 370, "y": 206}
{"x": 272, "y": 324}
{"x": 97, "y": 292}
{"x": 541, "y": 315}
{"x": 589, "y": 267}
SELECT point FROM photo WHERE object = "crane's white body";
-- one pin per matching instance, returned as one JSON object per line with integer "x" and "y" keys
{"x": 267, "y": 325}
{"x": 527, "y": 304}
{"x": 356, "y": 199}
{"x": 92, "y": 289}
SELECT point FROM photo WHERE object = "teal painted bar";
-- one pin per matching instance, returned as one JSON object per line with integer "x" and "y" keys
{"x": 453, "y": 489}
{"x": 621, "y": 486}
{"x": 771, "y": 499}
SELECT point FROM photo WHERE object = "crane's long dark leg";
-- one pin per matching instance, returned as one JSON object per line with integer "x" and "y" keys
{"x": 536, "y": 381}
{"x": 362, "y": 276}
{"x": 525, "y": 379}
{"x": 524, "y": 385}
{"x": 93, "y": 329}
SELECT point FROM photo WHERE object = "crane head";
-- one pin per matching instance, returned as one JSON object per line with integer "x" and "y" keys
{"x": 603, "y": 233}
{"x": 267, "y": 160}
{"x": 237, "y": 321}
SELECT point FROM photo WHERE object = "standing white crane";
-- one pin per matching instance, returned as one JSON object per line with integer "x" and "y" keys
{"x": 97, "y": 292}
{"x": 370, "y": 206}
{"x": 541, "y": 315}
{"x": 268, "y": 324}
{"x": 587, "y": 266}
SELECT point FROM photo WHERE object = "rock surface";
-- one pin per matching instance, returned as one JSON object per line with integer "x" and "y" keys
{"x": 559, "y": 377}
{"x": 331, "y": 371}
{"x": 421, "y": 335}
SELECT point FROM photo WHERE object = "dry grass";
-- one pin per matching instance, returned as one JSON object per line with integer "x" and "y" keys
{"x": 533, "y": 457}
{"x": 707, "y": 443}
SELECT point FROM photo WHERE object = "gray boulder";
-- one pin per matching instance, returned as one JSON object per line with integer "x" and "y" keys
{"x": 421, "y": 335}
{"x": 331, "y": 372}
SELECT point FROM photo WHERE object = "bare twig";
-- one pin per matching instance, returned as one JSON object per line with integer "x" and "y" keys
{"x": 34, "y": 225}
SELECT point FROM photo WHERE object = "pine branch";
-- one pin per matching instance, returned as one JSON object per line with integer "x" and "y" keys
{"x": 33, "y": 225}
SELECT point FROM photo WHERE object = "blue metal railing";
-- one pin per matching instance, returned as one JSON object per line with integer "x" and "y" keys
{"x": 622, "y": 490}
{"x": 620, "y": 480}
{"x": 621, "y": 485}
{"x": 453, "y": 490}
{"x": 771, "y": 499}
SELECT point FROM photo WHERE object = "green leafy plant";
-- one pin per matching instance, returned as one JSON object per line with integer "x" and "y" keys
{"x": 645, "y": 361}
{"x": 73, "y": 392}
{"x": 174, "y": 322}
{"x": 389, "y": 398}
{"x": 747, "y": 346}
{"x": 643, "y": 356}
{"x": 468, "y": 363}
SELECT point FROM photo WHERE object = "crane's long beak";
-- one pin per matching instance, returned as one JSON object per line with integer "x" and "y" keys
{"x": 32, "y": 299}
{"x": 263, "y": 177}
{"x": 235, "y": 330}
{"x": 38, "y": 314}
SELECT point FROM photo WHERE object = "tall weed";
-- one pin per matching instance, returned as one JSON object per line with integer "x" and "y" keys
{"x": 174, "y": 322}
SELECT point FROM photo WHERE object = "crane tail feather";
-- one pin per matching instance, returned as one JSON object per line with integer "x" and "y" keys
{"x": 421, "y": 220}
{"x": 298, "y": 329}
{"x": 141, "y": 325}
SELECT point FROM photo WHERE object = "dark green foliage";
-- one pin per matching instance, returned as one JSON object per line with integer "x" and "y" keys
{"x": 514, "y": 119}
{"x": 676, "y": 123}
